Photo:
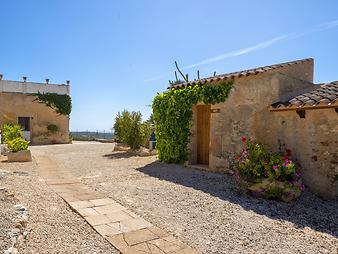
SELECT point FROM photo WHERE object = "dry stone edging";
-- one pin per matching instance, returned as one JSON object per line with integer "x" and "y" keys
{"x": 20, "y": 232}
{"x": 126, "y": 231}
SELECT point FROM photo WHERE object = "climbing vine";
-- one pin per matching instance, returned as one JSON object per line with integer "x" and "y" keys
{"x": 61, "y": 103}
{"x": 173, "y": 114}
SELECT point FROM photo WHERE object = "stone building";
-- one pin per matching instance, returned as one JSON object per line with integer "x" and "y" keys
{"x": 17, "y": 105}
{"x": 281, "y": 107}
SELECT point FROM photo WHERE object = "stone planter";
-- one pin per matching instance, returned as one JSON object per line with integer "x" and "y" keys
{"x": 21, "y": 156}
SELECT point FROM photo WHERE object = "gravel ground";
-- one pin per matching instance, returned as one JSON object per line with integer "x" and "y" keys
{"x": 7, "y": 214}
{"x": 205, "y": 210}
{"x": 54, "y": 227}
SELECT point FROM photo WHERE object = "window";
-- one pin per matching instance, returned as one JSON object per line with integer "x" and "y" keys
{"x": 24, "y": 122}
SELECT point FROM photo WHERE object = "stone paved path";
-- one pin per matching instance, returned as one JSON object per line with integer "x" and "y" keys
{"x": 126, "y": 231}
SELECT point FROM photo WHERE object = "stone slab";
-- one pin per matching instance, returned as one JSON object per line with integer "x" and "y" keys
{"x": 96, "y": 220}
{"x": 80, "y": 204}
{"x": 139, "y": 236}
{"x": 106, "y": 230}
{"x": 107, "y": 209}
{"x": 158, "y": 231}
{"x": 102, "y": 201}
{"x": 86, "y": 211}
{"x": 169, "y": 244}
{"x": 118, "y": 216}
{"x": 134, "y": 224}
{"x": 118, "y": 242}
{"x": 89, "y": 196}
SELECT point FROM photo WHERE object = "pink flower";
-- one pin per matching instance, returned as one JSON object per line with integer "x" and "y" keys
{"x": 275, "y": 167}
{"x": 285, "y": 164}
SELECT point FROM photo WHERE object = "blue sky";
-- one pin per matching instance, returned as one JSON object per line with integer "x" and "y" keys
{"x": 119, "y": 54}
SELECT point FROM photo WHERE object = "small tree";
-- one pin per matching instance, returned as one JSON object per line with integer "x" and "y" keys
{"x": 129, "y": 129}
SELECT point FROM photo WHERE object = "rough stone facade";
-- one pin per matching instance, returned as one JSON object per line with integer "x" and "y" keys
{"x": 16, "y": 100}
{"x": 247, "y": 112}
{"x": 314, "y": 143}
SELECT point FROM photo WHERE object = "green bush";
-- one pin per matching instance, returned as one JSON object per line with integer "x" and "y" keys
{"x": 11, "y": 131}
{"x": 17, "y": 144}
{"x": 269, "y": 175}
{"x": 130, "y": 129}
{"x": 172, "y": 112}
{"x": 52, "y": 128}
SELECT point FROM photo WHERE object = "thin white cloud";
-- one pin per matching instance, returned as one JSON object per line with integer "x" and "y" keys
{"x": 265, "y": 44}
{"x": 330, "y": 24}
{"x": 239, "y": 52}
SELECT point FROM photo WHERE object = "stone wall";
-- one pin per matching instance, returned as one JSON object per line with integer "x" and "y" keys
{"x": 14, "y": 105}
{"x": 246, "y": 112}
{"x": 313, "y": 141}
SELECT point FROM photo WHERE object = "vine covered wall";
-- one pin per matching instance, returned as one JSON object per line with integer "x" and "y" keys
{"x": 173, "y": 116}
{"x": 61, "y": 103}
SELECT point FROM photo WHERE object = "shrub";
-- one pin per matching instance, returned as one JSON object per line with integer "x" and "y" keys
{"x": 146, "y": 133}
{"x": 130, "y": 130}
{"x": 11, "y": 131}
{"x": 17, "y": 144}
{"x": 268, "y": 175}
{"x": 52, "y": 128}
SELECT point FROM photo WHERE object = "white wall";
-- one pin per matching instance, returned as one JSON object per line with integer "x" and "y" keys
{"x": 30, "y": 87}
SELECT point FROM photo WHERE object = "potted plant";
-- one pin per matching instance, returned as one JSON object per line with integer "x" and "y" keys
{"x": 18, "y": 150}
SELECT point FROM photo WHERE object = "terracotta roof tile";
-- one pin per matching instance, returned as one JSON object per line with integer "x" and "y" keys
{"x": 232, "y": 75}
{"x": 323, "y": 96}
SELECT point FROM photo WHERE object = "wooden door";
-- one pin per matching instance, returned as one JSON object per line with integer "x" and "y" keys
{"x": 203, "y": 134}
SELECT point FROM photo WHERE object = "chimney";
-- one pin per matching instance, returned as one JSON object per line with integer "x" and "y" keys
{"x": 24, "y": 79}
{"x": 67, "y": 82}
{"x": 47, "y": 81}
{"x": 1, "y": 76}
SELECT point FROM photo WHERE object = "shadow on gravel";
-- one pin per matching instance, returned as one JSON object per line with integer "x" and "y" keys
{"x": 307, "y": 211}
{"x": 119, "y": 155}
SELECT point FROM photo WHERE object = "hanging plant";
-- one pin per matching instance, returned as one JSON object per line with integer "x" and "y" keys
{"x": 61, "y": 103}
{"x": 173, "y": 116}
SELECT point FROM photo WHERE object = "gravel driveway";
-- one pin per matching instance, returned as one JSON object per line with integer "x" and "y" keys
{"x": 205, "y": 210}
{"x": 53, "y": 226}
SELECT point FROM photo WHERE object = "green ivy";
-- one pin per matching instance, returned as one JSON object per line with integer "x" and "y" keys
{"x": 173, "y": 116}
{"x": 61, "y": 103}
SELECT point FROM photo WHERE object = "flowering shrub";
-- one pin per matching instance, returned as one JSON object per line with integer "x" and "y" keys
{"x": 268, "y": 175}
